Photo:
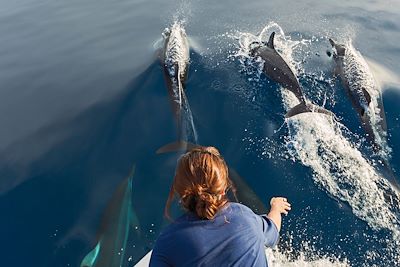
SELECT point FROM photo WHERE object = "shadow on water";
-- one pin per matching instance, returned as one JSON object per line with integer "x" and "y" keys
{"x": 67, "y": 187}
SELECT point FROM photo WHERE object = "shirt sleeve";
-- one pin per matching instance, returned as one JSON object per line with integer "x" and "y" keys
{"x": 270, "y": 231}
{"x": 157, "y": 259}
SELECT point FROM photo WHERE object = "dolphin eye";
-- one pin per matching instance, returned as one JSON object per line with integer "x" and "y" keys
{"x": 329, "y": 53}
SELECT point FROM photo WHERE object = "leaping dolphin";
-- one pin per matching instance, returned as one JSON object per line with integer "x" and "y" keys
{"x": 175, "y": 63}
{"x": 363, "y": 91}
{"x": 276, "y": 68}
{"x": 365, "y": 95}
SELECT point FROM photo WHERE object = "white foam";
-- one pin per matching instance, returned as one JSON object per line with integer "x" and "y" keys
{"x": 278, "y": 259}
{"x": 359, "y": 75}
{"x": 321, "y": 143}
{"x": 283, "y": 44}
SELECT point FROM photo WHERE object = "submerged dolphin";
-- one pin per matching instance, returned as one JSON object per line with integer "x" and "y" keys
{"x": 175, "y": 63}
{"x": 114, "y": 230}
{"x": 276, "y": 68}
{"x": 363, "y": 91}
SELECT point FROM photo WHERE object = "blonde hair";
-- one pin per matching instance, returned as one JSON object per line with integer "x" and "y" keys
{"x": 201, "y": 182}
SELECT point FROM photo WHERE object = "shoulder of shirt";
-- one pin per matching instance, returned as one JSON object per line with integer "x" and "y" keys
{"x": 174, "y": 225}
{"x": 239, "y": 206}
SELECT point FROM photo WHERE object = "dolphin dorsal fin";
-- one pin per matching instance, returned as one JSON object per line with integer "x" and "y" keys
{"x": 270, "y": 43}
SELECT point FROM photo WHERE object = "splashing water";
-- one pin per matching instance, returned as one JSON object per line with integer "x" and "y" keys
{"x": 283, "y": 44}
{"x": 359, "y": 75}
{"x": 338, "y": 166}
{"x": 276, "y": 258}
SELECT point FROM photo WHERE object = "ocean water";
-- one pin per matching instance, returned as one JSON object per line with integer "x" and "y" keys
{"x": 83, "y": 100}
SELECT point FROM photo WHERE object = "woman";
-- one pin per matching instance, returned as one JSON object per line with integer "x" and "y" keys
{"x": 214, "y": 231}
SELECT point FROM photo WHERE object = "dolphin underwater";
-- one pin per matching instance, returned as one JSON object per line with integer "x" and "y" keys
{"x": 363, "y": 91}
{"x": 276, "y": 68}
{"x": 114, "y": 230}
{"x": 175, "y": 62}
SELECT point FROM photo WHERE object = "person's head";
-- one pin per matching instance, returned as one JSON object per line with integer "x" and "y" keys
{"x": 201, "y": 182}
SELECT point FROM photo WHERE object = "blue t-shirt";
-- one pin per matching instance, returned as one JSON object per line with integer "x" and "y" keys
{"x": 235, "y": 237}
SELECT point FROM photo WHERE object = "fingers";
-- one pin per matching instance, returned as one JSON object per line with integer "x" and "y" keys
{"x": 281, "y": 204}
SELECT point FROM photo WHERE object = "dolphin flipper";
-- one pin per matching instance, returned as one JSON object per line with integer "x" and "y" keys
{"x": 176, "y": 147}
{"x": 367, "y": 96}
{"x": 270, "y": 43}
{"x": 307, "y": 107}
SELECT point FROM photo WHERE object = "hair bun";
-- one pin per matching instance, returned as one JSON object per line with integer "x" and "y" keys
{"x": 212, "y": 150}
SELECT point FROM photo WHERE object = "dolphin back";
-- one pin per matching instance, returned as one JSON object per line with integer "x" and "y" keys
{"x": 277, "y": 69}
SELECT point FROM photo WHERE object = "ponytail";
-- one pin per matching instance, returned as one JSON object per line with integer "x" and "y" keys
{"x": 201, "y": 182}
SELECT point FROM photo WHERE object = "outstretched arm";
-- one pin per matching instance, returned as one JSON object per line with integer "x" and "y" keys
{"x": 279, "y": 205}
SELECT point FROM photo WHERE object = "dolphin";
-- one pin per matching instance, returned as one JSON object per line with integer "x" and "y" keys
{"x": 175, "y": 62}
{"x": 363, "y": 91}
{"x": 276, "y": 68}
{"x": 366, "y": 98}
{"x": 114, "y": 229}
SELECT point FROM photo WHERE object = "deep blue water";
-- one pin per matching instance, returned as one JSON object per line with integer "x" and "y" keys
{"x": 83, "y": 99}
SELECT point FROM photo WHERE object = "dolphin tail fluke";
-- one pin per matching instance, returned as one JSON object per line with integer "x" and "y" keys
{"x": 90, "y": 258}
{"x": 307, "y": 107}
{"x": 114, "y": 229}
{"x": 178, "y": 146}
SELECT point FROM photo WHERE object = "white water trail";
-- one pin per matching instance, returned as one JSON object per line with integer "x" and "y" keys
{"x": 276, "y": 258}
{"x": 338, "y": 166}
{"x": 359, "y": 75}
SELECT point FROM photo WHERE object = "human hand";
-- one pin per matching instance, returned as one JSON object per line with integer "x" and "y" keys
{"x": 280, "y": 204}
